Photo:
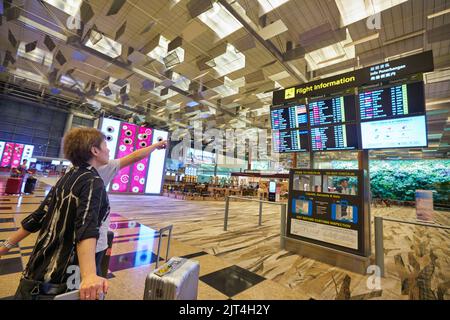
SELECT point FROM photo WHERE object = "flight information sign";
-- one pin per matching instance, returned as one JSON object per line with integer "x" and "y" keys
{"x": 291, "y": 117}
{"x": 285, "y": 141}
{"x": 392, "y": 102}
{"x": 338, "y": 137}
{"x": 332, "y": 111}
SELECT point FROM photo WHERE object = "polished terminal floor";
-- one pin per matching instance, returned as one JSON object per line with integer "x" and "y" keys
{"x": 246, "y": 261}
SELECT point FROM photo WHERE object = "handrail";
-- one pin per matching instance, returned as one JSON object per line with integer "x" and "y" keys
{"x": 379, "y": 241}
{"x": 283, "y": 207}
{"x": 256, "y": 200}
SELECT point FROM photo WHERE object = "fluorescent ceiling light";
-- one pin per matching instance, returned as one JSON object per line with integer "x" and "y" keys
{"x": 70, "y": 82}
{"x": 146, "y": 75}
{"x": 29, "y": 76}
{"x": 228, "y": 88}
{"x": 37, "y": 55}
{"x": 219, "y": 20}
{"x": 356, "y": 10}
{"x": 232, "y": 60}
{"x": 331, "y": 54}
{"x": 35, "y": 25}
{"x": 438, "y": 14}
{"x": 180, "y": 81}
{"x": 269, "y": 5}
{"x": 106, "y": 46}
{"x": 160, "y": 51}
{"x": 71, "y": 7}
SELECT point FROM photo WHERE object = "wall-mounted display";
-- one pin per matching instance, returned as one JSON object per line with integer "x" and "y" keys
{"x": 394, "y": 133}
{"x": 338, "y": 137}
{"x": 290, "y": 117}
{"x": 332, "y": 111}
{"x": 145, "y": 176}
{"x": 391, "y": 102}
{"x": 285, "y": 141}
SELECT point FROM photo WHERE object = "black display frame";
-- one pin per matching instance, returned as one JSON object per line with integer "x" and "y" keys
{"x": 353, "y": 123}
{"x": 287, "y": 106}
{"x": 362, "y": 225}
{"x": 331, "y": 98}
{"x": 391, "y": 85}
{"x": 308, "y": 149}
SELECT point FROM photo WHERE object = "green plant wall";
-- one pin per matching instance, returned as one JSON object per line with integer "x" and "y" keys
{"x": 399, "y": 179}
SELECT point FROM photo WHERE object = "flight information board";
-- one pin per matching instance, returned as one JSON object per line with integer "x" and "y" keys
{"x": 285, "y": 141}
{"x": 392, "y": 102}
{"x": 291, "y": 117}
{"x": 332, "y": 111}
{"x": 339, "y": 137}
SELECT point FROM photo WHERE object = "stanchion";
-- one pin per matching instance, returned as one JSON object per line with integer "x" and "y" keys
{"x": 379, "y": 246}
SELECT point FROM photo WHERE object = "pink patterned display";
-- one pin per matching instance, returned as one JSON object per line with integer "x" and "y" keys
{"x": 17, "y": 155}
{"x": 7, "y": 154}
{"x": 139, "y": 170}
{"x": 127, "y": 138}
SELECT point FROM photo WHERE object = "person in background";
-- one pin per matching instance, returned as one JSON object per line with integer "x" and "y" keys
{"x": 68, "y": 221}
{"x": 21, "y": 170}
{"x": 343, "y": 187}
{"x": 107, "y": 172}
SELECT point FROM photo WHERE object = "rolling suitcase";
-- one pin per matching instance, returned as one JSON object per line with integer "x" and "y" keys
{"x": 30, "y": 185}
{"x": 13, "y": 186}
{"x": 177, "y": 279}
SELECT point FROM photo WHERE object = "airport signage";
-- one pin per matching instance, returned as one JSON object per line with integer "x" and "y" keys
{"x": 386, "y": 71}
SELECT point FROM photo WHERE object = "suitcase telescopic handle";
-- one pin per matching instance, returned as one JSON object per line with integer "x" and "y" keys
{"x": 161, "y": 232}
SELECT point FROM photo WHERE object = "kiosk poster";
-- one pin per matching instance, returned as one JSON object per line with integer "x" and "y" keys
{"x": 326, "y": 208}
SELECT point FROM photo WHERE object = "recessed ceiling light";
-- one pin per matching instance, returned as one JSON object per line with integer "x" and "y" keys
{"x": 228, "y": 62}
{"x": 71, "y": 7}
{"x": 220, "y": 20}
{"x": 105, "y": 45}
{"x": 269, "y": 5}
{"x": 331, "y": 54}
{"x": 37, "y": 55}
{"x": 356, "y": 10}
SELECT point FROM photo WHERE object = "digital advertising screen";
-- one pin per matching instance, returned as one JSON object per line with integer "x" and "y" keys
{"x": 2, "y": 147}
{"x": 289, "y": 117}
{"x": 394, "y": 133}
{"x": 285, "y": 141}
{"x": 391, "y": 102}
{"x": 144, "y": 176}
{"x": 332, "y": 111}
{"x": 331, "y": 138}
{"x": 12, "y": 154}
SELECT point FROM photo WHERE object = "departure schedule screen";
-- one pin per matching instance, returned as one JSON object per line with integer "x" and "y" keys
{"x": 339, "y": 137}
{"x": 332, "y": 111}
{"x": 291, "y": 117}
{"x": 285, "y": 141}
{"x": 392, "y": 102}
